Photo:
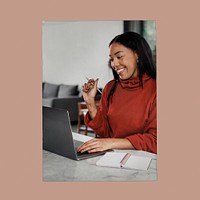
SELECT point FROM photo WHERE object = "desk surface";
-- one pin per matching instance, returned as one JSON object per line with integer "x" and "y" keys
{"x": 59, "y": 169}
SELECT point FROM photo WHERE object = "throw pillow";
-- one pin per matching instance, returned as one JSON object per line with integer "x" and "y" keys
{"x": 50, "y": 90}
{"x": 67, "y": 90}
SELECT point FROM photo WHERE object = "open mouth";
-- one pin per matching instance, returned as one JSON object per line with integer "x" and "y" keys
{"x": 119, "y": 70}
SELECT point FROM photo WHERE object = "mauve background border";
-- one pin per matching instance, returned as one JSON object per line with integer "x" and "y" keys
{"x": 178, "y": 98}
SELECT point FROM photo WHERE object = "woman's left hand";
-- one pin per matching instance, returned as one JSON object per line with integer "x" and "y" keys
{"x": 95, "y": 145}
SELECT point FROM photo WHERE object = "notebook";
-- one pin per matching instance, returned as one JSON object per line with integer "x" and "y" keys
{"x": 124, "y": 160}
{"x": 58, "y": 135}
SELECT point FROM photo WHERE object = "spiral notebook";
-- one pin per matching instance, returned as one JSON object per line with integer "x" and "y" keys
{"x": 124, "y": 160}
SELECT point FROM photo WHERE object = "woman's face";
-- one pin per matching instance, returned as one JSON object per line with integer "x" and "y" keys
{"x": 123, "y": 61}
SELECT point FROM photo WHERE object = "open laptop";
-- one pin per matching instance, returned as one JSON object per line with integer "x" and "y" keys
{"x": 58, "y": 136}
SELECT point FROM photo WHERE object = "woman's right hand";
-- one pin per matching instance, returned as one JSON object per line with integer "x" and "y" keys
{"x": 89, "y": 90}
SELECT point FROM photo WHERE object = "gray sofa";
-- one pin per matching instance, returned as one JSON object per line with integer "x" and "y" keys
{"x": 64, "y": 97}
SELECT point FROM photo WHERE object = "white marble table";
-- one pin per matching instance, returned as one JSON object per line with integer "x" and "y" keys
{"x": 60, "y": 169}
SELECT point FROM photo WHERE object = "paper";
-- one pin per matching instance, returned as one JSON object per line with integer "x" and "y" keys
{"x": 145, "y": 154}
{"x": 137, "y": 162}
{"x": 111, "y": 159}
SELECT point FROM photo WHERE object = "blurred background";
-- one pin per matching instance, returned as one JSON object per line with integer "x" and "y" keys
{"x": 72, "y": 50}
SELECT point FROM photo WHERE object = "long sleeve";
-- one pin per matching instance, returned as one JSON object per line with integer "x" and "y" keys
{"x": 100, "y": 123}
{"x": 147, "y": 140}
{"x": 131, "y": 114}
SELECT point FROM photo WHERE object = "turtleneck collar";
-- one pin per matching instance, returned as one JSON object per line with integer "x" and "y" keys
{"x": 133, "y": 83}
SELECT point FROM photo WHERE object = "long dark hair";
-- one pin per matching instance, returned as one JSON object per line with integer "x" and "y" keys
{"x": 138, "y": 44}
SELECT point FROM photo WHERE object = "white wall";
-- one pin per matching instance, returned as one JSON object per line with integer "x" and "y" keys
{"x": 72, "y": 50}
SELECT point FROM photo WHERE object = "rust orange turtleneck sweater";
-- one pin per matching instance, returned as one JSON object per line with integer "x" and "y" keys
{"x": 131, "y": 113}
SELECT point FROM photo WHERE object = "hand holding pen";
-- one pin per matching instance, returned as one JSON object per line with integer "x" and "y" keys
{"x": 89, "y": 92}
{"x": 90, "y": 85}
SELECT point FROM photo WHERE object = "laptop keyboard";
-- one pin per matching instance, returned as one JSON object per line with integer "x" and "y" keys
{"x": 80, "y": 154}
{"x": 84, "y": 154}
{"x": 77, "y": 144}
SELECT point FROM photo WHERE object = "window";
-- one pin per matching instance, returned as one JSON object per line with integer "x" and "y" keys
{"x": 149, "y": 33}
{"x": 147, "y": 29}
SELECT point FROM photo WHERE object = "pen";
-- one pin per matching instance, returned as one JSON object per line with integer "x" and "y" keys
{"x": 123, "y": 161}
{"x": 97, "y": 88}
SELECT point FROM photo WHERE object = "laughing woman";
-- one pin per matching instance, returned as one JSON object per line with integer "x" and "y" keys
{"x": 126, "y": 116}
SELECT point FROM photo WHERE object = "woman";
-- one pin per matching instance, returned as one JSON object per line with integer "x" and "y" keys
{"x": 126, "y": 117}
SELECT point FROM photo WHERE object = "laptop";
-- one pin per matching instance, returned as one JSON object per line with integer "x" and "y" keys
{"x": 58, "y": 135}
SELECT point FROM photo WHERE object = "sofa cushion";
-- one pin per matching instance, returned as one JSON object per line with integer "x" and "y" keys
{"x": 67, "y": 90}
{"x": 50, "y": 90}
{"x": 48, "y": 102}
